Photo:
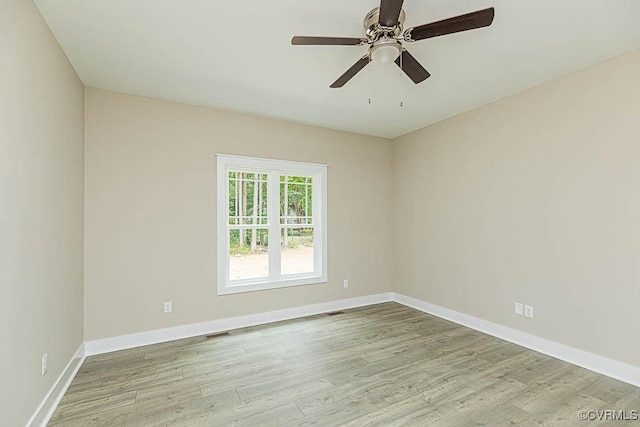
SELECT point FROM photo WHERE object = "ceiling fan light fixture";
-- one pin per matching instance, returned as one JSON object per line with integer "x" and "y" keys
{"x": 384, "y": 35}
{"x": 385, "y": 53}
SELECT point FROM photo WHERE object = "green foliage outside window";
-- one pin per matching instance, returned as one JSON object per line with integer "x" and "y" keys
{"x": 248, "y": 206}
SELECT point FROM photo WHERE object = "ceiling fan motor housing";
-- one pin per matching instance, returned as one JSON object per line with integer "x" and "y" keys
{"x": 375, "y": 31}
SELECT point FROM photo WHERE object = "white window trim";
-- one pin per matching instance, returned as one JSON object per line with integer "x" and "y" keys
{"x": 225, "y": 163}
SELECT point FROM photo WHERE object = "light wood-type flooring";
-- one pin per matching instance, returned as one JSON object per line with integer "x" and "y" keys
{"x": 386, "y": 365}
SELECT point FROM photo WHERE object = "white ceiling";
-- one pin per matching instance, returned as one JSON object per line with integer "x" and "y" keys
{"x": 236, "y": 54}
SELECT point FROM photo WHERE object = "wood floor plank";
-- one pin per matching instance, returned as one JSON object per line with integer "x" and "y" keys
{"x": 279, "y": 416}
{"x": 505, "y": 415}
{"x": 290, "y": 388}
{"x": 502, "y": 352}
{"x": 483, "y": 375}
{"x": 170, "y": 393}
{"x": 382, "y": 365}
{"x": 557, "y": 389}
{"x": 80, "y": 409}
{"x": 629, "y": 402}
{"x": 415, "y": 407}
{"x": 345, "y": 409}
{"x": 609, "y": 390}
{"x": 566, "y": 412}
{"x": 138, "y": 379}
{"x": 215, "y": 382}
{"x": 536, "y": 373}
{"x": 240, "y": 366}
{"x": 485, "y": 401}
{"x": 397, "y": 349}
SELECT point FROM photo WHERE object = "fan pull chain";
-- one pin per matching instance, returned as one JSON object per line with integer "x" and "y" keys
{"x": 401, "y": 86}
{"x": 369, "y": 78}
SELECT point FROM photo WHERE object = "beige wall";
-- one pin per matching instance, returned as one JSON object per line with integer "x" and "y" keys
{"x": 536, "y": 199}
{"x": 150, "y": 224}
{"x": 41, "y": 185}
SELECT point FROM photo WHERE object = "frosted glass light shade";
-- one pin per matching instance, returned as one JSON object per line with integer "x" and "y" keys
{"x": 385, "y": 54}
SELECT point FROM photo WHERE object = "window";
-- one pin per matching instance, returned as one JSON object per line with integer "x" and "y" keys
{"x": 271, "y": 224}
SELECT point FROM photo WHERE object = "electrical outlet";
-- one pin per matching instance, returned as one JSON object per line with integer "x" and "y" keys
{"x": 528, "y": 311}
{"x": 519, "y": 308}
{"x": 168, "y": 307}
{"x": 345, "y": 284}
{"x": 45, "y": 364}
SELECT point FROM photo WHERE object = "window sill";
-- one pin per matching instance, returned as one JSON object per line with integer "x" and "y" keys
{"x": 237, "y": 288}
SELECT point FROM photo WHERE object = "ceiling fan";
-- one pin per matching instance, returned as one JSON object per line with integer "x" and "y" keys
{"x": 384, "y": 36}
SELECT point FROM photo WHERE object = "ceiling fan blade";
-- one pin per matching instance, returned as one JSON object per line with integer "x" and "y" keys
{"x": 389, "y": 12}
{"x": 348, "y": 75}
{"x": 327, "y": 41}
{"x": 412, "y": 67}
{"x": 470, "y": 21}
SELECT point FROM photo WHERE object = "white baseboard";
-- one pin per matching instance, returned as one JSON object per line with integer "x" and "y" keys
{"x": 122, "y": 342}
{"x": 45, "y": 410}
{"x": 600, "y": 364}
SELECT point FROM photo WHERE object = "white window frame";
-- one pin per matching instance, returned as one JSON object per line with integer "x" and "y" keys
{"x": 273, "y": 169}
